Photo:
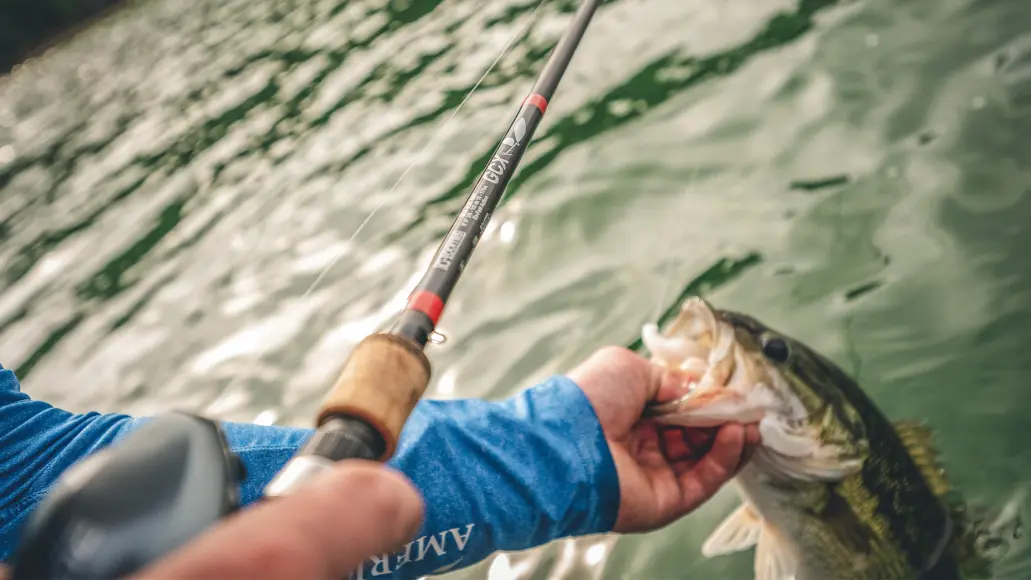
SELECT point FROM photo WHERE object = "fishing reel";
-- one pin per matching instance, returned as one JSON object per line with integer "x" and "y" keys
{"x": 132, "y": 503}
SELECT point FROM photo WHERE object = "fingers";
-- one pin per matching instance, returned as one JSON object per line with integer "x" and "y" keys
{"x": 712, "y": 471}
{"x": 615, "y": 381}
{"x": 326, "y": 530}
{"x": 683, "y": 444}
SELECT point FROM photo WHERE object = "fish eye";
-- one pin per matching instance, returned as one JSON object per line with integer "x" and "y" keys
{"x": 776, "y": 349}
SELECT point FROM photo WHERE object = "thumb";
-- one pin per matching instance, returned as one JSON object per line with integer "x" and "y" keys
{"x": 618, "y": 382}
{"x": 670, "y": 384}
{"x": 326, "y": 530}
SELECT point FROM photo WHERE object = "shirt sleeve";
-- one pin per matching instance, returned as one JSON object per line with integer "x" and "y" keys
{"x": 508, "y": 475}
{"x": 37, "y": 443}
{"x": 502, "y": 476}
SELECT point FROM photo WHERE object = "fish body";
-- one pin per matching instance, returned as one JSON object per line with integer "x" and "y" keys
{"x": 836, "y": 491}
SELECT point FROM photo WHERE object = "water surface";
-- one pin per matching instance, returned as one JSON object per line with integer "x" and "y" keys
{"x": 854, "y": 173}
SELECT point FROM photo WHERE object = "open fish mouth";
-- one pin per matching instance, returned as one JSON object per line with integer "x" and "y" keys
{"x": 702, "y": 344}
{"x": 734, "y": 385}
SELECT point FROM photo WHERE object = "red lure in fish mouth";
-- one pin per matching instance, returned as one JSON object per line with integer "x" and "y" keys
{"x": 685, "y": 443}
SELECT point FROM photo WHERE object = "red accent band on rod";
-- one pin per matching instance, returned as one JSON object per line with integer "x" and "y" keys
{"x": 428, "y": 303}
{"x": 537, "y": 101}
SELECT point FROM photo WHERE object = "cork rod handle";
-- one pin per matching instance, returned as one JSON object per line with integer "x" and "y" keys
{"x": 380, "y": 384}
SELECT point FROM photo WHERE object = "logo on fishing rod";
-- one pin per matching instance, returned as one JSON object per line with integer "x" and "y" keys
{"x": 499, "y": 164}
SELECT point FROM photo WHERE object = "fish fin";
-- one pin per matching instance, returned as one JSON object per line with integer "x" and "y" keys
{"x": 774, "y": 558}
{"x": 738, "y": 532}
{"x": 916, "y": 437}
{"x": 983, "y": 535}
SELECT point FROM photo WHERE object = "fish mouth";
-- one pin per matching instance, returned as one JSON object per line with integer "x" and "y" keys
{"x": 700, "y": 342}
{"x": 728, "y": 383}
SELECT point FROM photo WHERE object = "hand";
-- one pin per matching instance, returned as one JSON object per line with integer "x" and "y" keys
{"x": 656, "y": 486}
{"x": 356, "y": 510}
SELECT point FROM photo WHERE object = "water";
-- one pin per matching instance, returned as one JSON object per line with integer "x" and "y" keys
{"x": 854, "y": 173}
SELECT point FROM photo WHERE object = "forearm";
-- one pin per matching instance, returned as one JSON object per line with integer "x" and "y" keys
{"x": 502, "y": 476}
{"x": 495, "y": 476}
{"x": 506, "y": 475}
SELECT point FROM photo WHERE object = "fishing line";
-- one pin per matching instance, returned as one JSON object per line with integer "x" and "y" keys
{"x": 361, "y": 417}
{"x": 419, "y": 155}
{"x": 667, "y": 281}
{"x": 433, "y": 138}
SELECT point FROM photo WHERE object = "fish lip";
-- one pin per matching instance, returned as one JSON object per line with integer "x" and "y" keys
{"x": 697, "y": 311}
{"x": 673, "y": 412}
{"x": 701, "y": 309}
{"x": 715, "y": 391}
{"x": 654, "y": 409}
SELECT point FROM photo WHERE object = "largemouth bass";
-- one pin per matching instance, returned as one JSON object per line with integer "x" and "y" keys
{"x": 836, "y": 491}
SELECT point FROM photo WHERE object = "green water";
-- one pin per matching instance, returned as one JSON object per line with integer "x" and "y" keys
{"x": 857, "y": 174}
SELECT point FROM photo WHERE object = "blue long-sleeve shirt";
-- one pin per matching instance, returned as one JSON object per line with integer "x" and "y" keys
{"x": 506, "y": 475}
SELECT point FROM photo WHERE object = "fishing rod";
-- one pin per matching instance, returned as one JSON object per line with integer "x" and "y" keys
{"x": 136, "y": 501}
{"x": 387, "y": 373}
